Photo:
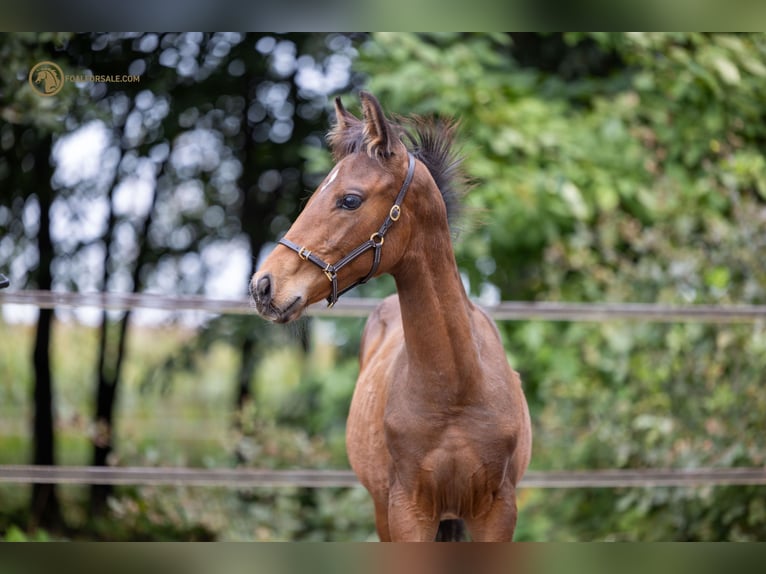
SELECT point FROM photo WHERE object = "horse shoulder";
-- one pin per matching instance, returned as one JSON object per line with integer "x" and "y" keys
{"x": 514, "y": 404}
{"x": 365, "y": 436}
{"x": 382, "y": 331}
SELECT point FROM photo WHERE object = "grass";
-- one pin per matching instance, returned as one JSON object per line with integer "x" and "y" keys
{"x": 151, "y": 425}
{"x": 186, "y": 422}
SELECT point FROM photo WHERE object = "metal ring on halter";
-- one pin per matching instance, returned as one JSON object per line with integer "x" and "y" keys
{"x": 395, "y": 213}
{"x": 379, "y": 236}
{"x": 328, "y": 272}
{"x": 304, "y": 253}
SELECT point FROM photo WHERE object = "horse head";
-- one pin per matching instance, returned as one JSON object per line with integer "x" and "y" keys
{"x": 338, "y": 240}
{"x": 48, "y": 80}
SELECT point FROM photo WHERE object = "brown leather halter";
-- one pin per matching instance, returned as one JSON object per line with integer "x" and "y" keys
{"x": 375, "y": 242}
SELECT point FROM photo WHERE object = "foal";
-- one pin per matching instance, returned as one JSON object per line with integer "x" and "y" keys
{"x": 438, "y": 431}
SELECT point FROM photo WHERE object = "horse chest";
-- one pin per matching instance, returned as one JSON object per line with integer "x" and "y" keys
{"x": 454, "y": 448}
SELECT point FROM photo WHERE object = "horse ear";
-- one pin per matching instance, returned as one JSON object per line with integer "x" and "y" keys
{"x": 341, "y": 136}
{"x": 343, "y": 119}
{"x": 379, "y": 136}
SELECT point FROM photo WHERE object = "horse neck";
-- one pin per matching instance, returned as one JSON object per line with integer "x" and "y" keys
{"x": 437, "y": 319}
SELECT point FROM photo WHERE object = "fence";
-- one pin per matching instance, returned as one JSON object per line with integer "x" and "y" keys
{"x": 249, "y": 478}
{"x": 360, "y": 307}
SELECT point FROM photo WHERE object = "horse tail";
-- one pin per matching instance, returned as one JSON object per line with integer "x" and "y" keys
{"x": 452, "y": 530}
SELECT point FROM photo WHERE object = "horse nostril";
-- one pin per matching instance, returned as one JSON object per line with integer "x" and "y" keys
{"x": 262, "y": 291}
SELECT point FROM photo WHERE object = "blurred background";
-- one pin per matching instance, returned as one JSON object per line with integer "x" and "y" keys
{"x": 608, "y": 168}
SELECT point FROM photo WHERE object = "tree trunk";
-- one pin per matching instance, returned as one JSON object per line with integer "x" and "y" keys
{"x": 110, "y": 364}
{"x": 112, "y": 343}
{"x": 248, "y": 183}
{"x": 245, "y": 374}
{"x": 45, "y": 509}
{"x": 103, "y": 417}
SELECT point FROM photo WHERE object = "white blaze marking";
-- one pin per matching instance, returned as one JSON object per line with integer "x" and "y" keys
{"x": 331, "y": 178}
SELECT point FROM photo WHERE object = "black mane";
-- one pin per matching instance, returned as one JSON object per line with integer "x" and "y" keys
{"x": 432, "y": 141}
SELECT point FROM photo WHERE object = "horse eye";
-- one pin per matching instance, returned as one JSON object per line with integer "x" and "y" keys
{"x": 350, "y": 202}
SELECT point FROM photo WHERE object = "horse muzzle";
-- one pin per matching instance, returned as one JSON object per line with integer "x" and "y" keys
{"x": 262, "y": 295}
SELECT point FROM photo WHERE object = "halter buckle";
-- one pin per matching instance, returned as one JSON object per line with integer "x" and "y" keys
{"x": 379, "y": 241}
{"x": 328, "y": 272}
{"x": 304, "y": 253}
{"x": 395, "y": 213}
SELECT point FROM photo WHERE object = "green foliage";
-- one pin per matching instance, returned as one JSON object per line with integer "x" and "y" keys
{"x": 288, "y": 513}
{"x": 16, "y": 534}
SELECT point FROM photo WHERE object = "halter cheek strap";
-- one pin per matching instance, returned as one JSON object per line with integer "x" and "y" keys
{"x": 375, "y": 242}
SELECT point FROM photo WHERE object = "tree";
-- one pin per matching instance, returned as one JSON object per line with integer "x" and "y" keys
{"x": 25, "y": 164}
{"x": 216, "y": 129}
{"x": 45, "y": 506}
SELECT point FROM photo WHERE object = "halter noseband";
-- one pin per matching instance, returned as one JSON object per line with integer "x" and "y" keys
{"x": 375, "y": 242}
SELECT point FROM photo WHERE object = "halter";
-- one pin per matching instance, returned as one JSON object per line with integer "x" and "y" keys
{"x": 374, "y": 242}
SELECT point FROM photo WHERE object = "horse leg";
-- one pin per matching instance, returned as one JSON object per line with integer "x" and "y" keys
{"x": 381, "y": 520}
{"x": 499, "y": 522}
{"x": 407, "y": 521}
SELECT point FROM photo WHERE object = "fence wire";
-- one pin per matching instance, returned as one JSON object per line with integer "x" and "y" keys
{"x": 251, "y": 478}
{"x": 363, "y": 306}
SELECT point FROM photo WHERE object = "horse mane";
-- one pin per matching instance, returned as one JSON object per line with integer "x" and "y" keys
{"x": 430, "y": 139}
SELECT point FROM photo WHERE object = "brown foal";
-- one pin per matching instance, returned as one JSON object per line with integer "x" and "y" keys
{"x": 438, "y": 430}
